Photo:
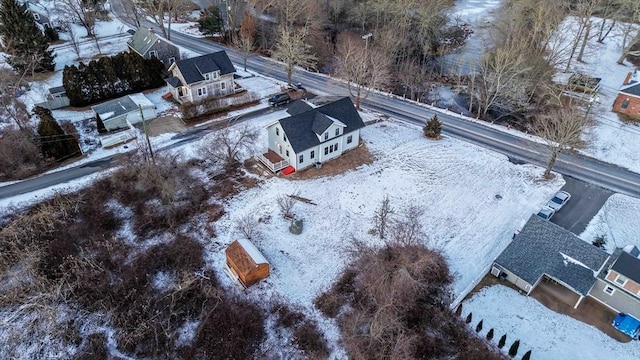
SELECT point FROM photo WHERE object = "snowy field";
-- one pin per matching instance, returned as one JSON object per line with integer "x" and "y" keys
{"x": 618, "y": 221}
{"x": 550, "y": 336}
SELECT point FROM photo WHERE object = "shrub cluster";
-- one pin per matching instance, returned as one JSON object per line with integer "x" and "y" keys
{"x": 110, "y": 77}
{"x": 306, "y": 335}
{"x": 393, "y": 302}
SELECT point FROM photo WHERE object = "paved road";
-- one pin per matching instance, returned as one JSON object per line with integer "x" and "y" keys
{"x": 580, "y": 167}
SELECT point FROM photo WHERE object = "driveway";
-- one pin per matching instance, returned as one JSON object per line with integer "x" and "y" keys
{"x": 586, "y": 200}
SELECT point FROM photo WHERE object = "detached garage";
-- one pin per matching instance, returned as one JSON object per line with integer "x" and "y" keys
{"x": 245, "y": 263}
{"x": 127, "y": 110}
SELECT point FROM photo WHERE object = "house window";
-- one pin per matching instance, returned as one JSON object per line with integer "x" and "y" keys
{"x": 609, "y": 290}
{"x": 326, "y": 151}
{"x": 337, "y": 131}
{"x": 287, "y": 152}
{"x": 280, "y": 148}
{"x": 349, "y": 139}
{"x": 153, "y": 54}
{"x": 172, "y": 60}
{"x": 300, "y": 159}
{"x": 277, "y": 132}
{"x": 313, "y": 154}
{"x": 207, "y": 76}
{"x": 202, "y": 91}
{"x": 36, "y": 16}
{"x": 284, "y": 136}
{"x": 330, "y": 149}
{"x": 335, "y": 147}
{"x": 326, "y": 135}
{"x": 625, "y": 103}
{"x": 222, "y": 86}
{"x": 621, "y": 280}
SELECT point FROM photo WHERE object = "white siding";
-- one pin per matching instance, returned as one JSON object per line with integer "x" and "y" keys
{"x": 355, "y": 139}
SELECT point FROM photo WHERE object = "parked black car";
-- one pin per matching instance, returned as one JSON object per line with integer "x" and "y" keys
{"x": 280, "y": 99}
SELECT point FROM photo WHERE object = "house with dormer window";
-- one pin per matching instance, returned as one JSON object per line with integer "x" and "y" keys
{"x": 202, "y": 78}
{"x": 628, "y": 99}
{"x": 312, "y": 135}
{"x": 146, "y": 43}
{"x": 618, "y": 286}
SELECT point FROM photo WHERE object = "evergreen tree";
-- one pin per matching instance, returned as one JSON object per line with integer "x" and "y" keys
{"x": 502, "y": 341}
{"x": 54, "y": 142}
{"x": 490, "y": 334}
{"x": 479, "y": 327}
{"x": 26, "y": 45}
{"x": 433, "y": 128}
{"x": 527, "y": 355}
{"x": 459, "y": 310}
{"x": 513, "y": 350}
{"x": 210, "y": 21}
{"x": 51, "y": 34}
{"x": 469, "y": 318}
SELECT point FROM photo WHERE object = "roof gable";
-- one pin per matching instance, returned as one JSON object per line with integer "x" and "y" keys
{"x": 298, "y": 107}
{"x": 631, "y": 89}
{"x": 193, "y": 69}
{"x": 143, "y": 40}
{"x": 300, "y": 128}
{"x": 543, "y": 247}
{"x": 628, "y": 266}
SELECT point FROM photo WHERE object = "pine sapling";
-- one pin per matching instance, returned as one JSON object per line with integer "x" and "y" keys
{"x": 459, "y": 310}
{"x": 502, "y": 341}
{"x": 490, "y": 334}
{"x": 513, "y": 350}
{"x": 527, "y": 355}
{"x": 479, "y": 327}
{"x": 469, "y": 318}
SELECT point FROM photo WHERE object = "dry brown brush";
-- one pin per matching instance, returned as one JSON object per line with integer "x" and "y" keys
{"x": 393, "y": 303}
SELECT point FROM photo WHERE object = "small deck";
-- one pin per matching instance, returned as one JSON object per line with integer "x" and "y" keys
{"x": 272, "y": 160}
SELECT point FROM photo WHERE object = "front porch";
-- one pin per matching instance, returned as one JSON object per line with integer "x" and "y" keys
{"x": 272, "y": 160}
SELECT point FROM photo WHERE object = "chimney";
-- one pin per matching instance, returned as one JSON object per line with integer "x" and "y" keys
{"x": 626, "y": 80}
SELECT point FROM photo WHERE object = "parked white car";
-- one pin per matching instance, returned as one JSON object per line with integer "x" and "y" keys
{"x": 558, "y": 201}
{"x": 546, "y": 213}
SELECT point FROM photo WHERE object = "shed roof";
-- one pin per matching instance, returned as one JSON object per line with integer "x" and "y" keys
{"x": 121, "y": 106}
{"x": 245, "y": 255}
{"x": 301, "y": 128}
{"x": 193, "y": 69}
{"x": 57, "y": 90}
{"x": 543, "y": 247}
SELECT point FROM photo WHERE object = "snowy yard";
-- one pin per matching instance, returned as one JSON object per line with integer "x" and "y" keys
{"x": 548, "y": 334}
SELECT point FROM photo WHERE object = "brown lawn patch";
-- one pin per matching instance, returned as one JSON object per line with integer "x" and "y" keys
{"x": 348, "y": 161}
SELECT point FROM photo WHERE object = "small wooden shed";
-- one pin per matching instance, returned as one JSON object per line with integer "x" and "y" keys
{"x": 245, "y": 263}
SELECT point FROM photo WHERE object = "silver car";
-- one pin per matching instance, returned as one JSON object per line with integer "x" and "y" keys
{"x": 558, "y": 201}
{"x": 546, "y": 213}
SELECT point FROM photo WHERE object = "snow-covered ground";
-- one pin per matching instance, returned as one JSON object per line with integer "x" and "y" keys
{"x": 550, "y": 336}
{"x": 618, "y": 221}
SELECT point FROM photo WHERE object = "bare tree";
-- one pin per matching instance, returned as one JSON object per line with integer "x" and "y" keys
{"x": 156, "y": 10}
{"x": 382, "y": 217}
{"x": 73, "y": 38}
{"x": 365, "y": 68}
{"x": 414, "y": 77}
{"x": 561, "y": 129}
{"x": 132, "y": 12}
{"x": 245, "y": 39}
{"x": 84, "y": 12}
{"x": 287, "y": 202}
{"x": 226, "y": 145}
{"x": 12, "y": 107}
{"x": 247, "y": 226}
{"x": 407, "y": 230}
{"x": 293, "y": 50}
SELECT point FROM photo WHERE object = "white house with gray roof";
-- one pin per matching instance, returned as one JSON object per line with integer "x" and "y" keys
{"x": 201, "y": 78}
{"x": 312, "y": 135}
{"x": 125, "y": 111}
{"x": 146, "y": 43}
{"x": 618, "y": 285}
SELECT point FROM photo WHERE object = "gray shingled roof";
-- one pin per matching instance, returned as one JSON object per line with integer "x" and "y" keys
{"x": 115, "y": 107}
{"x": 299, "y": 127}
{"x": 632, "y": 90}
{"x": 298, "y": 107}
{"x": 628, "y": 266}
{"x": 192, "y": 69}
{"x": 173, "y": 81}
{"x": 320, "y": 123}
{"x": 57, "y": 90}
{"x": 543, "y": 247}
{"x": 143, "y": 40}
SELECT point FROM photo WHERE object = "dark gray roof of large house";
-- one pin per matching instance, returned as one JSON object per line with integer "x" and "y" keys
{"x": 321, "y": 123}
{"x": 628, "y": 266}
{"x": 299, "y": 128}
{"x": 298, "y": 107}
{"x": 192, "y": 69}
{"x": 543, "y": 247}
{"x": 143, "y": 39}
